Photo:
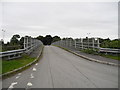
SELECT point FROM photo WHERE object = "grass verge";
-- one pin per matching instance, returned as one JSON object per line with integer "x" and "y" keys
{"x": 23, "y": 63}
{"x": 111, "y": 56}
{"x": 16, "y": 63}
{"x": 90, "y": 51}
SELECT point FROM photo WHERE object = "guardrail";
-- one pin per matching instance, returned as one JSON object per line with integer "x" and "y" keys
{"x": 109, "y": 50}
{"x": 12, "y": 54}
{"x": 30, "y": 44}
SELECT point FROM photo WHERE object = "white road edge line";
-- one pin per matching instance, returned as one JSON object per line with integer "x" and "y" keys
{"x": 29, "y": 84}
{"x": 34, "y": 69}
{"x": 36, "y": 64}
{"x": 17, "y": 77}
{"x": 12, "y": 84}
{"x": 31, "y": 76}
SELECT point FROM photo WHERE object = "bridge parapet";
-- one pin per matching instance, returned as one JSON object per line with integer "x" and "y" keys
{"x": 82, "y": 43}
{"x": 85, "y": 43}
{"x": 30, "y": 44}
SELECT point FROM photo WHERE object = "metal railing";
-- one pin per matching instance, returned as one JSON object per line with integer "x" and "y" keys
{"x": 81, "y": 43}
{"x": 109, "y": 50}
{"x": 85, "y": 43}
{"x": 30, "y": 44}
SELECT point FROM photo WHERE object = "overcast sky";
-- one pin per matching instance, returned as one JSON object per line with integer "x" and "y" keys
{"x": 65, "y": 19}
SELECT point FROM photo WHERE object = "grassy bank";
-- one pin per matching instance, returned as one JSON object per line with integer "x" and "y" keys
{"x": 90, "y": 51}
{"x": 16, "y": 63}
{"x": 111, "y": 56}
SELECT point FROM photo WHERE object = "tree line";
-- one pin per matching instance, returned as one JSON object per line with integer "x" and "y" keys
{"x": 48, "y": 39}
{"x": 16, "y": 42}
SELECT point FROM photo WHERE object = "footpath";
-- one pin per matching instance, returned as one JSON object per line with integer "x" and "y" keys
{"x": 36, "y": 52}
{"x": 96, "y": 57}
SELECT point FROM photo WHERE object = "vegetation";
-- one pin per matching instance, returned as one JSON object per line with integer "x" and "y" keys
{"x": 107, "y": 43}
{"x": 16, "y": 63}
{"x": 117, "y": 57}
{"x": 48, "y": 39}
{"x": 16, "y": 42}
{"x": 95, "y": 52}
{"x": 90, "y": 51}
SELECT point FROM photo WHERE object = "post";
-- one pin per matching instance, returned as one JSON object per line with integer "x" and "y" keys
{"x": 82, "y": 43}
{"x": 30, "y": 42}
{"x": 98, "y": 44}
{"x": 88, "y": 43}
{"x": 61, "y": 42}
{"x": 70, "y": 42}
{"x": 93, "y": 43}
{"x": 75, "y": 43}
{"x": 24, "y": 42}
{"x": 27, "y": 44}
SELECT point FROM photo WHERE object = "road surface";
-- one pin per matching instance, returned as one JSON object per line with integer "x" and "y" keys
{"x": 61, "y": 69}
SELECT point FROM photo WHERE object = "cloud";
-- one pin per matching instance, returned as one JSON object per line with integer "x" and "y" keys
{"x": 66, "y": 19}
{"x": 36, "y": 27}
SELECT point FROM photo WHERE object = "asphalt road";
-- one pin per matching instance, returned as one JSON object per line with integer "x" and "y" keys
{"x": 61, "y": 69}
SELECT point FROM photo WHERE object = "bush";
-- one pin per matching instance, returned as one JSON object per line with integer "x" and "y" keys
{"x": 90, "y": 51}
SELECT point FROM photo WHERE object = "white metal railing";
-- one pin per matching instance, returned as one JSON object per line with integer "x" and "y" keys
{"x": 109, "y": 50}
{"x": 85, "y": 43}
{"x": 81, "y": 43}
{"x": 12, "y": 54}
{"x": 29, "y": 45}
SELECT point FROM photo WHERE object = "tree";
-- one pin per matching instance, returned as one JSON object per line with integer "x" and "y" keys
{"x": 21, "y": 42}
{"x": 14, "y": 40}
{"x": 40, "y": 38}
{"x": 48, "y": 40}
{"x": 107, "y": 43}
{"x": 56, "y": 38}
{"x": 1, "y": 42}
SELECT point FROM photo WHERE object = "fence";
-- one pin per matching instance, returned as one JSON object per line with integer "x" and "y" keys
{"x": 85, "y": 43}
{"x": 109, "y": 50}
{"x": 30, "y": 44}
{"x": 82, "y": 43}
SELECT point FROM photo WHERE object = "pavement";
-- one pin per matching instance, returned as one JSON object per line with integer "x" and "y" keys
{"x": 61, "y": 69}
{"x": 36, "y": 52}
{"x": 97, "y": 57}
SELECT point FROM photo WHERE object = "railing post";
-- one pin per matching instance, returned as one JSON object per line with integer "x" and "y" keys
{"x": 88, "y": 43}
{"x": 75, "y": 43}
{"x": 24, "y": 42}
{"x": 98, "y": 44}
{"x": 70, "y": 43}
{"x": 27, "y": 43}
{"x": 82, "y": 43}
{"x": 93, "y": 43}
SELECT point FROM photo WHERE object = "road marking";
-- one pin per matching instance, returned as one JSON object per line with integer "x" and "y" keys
{"x": 29, "y": 84}
{"x": 31, "y": 76}
{"x": 34, "y": 69}
{"x": 19, "y": 73}
{"x": 36, "y": 64}
{"x": 11, "y": 86}
{"x": 17, "y": 77}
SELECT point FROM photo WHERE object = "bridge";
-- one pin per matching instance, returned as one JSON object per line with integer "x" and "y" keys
{"x": 59, "y": 68}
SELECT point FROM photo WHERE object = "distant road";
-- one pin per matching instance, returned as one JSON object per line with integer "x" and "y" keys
{"x": 61, "y": 69}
